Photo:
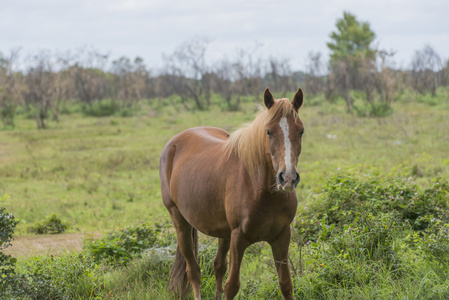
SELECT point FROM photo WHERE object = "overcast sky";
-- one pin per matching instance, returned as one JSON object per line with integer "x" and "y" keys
{"x": 286, "y": 29}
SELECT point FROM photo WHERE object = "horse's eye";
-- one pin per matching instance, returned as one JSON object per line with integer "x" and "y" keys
{"x": 268, "y": 133}
{"x": 301, "y": 132}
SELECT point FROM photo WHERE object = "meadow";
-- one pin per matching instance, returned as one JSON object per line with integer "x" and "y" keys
{"x": 100, "y": 175}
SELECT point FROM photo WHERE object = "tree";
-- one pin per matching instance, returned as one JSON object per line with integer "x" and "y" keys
{"x": 41, "y": 87}
{"x": 314, "y": 82}
{"x": 90, "y": 80}
{"x": 11, "y": 87}
{"x": 352, "y": 38}
{"x": 425, "y": 64}
{"x": 186, "y": 68}
{"x": 131, "y": 79}
{"x": 279, "y": 75}
{"x": 352, "y": 58}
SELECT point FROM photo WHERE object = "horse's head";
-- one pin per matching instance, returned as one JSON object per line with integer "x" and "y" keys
{"x": 284, "y": 134}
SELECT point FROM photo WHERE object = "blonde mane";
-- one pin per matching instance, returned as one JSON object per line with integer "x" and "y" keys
{"x": 248, "y": 142}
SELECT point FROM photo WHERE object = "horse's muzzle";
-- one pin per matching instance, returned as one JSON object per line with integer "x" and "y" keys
{"x": 287, "y": 181}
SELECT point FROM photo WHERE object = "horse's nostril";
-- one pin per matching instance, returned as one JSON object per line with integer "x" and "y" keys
{"x": 297, "y": 179}
{"x": 281, "y": 178}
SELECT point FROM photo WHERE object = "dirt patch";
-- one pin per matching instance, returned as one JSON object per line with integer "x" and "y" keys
{"x": 47, "y": 244}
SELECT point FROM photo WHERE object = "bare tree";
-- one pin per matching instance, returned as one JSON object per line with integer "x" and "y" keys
{"x": 131, "y": 78}
{"x": 64, "y": 83}
{"x": 40, "y": 81}
{"x": 11, "y": 87}
{"x": 248, "y": 72}
{"x": 91, "y": 83}
{"x": 424, "y": 67}
{"x": 187, "y": 69}
{"x": 340, "y": 82}
{"x": 280, "y": 75}
{"x": 367, "y": 78}
{"x": 314, "y": 81}
{"x": 387, "y": 83}
{"x": 224, "y": 83}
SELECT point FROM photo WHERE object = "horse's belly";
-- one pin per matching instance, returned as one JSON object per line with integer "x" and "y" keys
{"x": 205, "y": 212}
{"x": 199, "y": 196}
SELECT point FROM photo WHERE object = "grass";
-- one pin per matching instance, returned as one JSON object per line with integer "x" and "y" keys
{"x": 102, "y": 173}
{"x": 97, "y": 173}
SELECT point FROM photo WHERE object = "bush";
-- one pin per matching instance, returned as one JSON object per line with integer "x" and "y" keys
{"x": 119, "y": 246}
{"x": 358, "y": 254}
{"x": 101, "y": 108}
{"x": 346, "y": 194}
{"x": 51, "y": 277}
{"x": 7, "y": 114}
{"x": 7, "y": 263}
{"x": 107, "y": 107}
{"x": 374, "y": 109}
{"x": 433, "y": 242}
{"x": 51, "y": 225}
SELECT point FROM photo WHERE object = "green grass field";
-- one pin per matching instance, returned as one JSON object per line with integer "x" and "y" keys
{"x": 102, "y": 173}
{"x": 97, "y": 173}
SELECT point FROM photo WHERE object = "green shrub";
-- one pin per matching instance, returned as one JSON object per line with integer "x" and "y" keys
{"x": 361, "y": 252}
{"x": 7, "y": 263}
{"x": 101, "y": 108}
{"x": 345, "y": 194}
{"x": 51, "y": 277}
{"x": 119, "y": 246}
{"x": 374, "y": 109}
{"x": 51, "y": 225}
{"x": 7, "y": 113}
{"x": 433, "y": 242}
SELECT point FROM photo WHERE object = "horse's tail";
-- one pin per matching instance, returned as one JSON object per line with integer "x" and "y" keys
{"x": 179, "y": 282}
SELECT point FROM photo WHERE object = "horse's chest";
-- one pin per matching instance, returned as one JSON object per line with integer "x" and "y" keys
{"x": 266, "y": 224}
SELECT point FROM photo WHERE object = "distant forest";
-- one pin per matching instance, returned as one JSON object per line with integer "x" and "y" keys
{"x": 47, "y": 80}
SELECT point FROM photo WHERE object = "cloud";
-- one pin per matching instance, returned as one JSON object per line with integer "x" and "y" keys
{"x": 285, "y": 28}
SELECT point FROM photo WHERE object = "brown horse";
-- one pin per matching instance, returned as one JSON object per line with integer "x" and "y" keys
{"x": 239, "y": 188}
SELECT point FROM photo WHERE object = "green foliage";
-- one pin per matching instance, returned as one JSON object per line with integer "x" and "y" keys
{"x": 346, "y": 195}
{"x": 7, "y": 113}
{"x": 7, "y": 263}
{"x": 51, "y": 225}
{"x": 351, "y": 38}
{"x": 374, "y": 109}
{"x": 119, "y": 246}
{"x": 433, "y": 242}
{"x": 368, "y": 240}
{"x": 51, "y": 277}
{"x": 101, "y": 108}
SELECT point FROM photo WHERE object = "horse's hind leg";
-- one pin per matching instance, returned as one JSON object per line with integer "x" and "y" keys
{"x": 187, "y": 245}
{"x": 220, "y": 266}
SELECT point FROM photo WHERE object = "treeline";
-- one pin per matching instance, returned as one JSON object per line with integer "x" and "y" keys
{"x": 375, "y": 77}
{"x": 43, "y": 82}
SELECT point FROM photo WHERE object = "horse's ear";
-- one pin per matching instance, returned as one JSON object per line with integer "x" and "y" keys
{"x": 268, "y": 98}
{"x": 297, "y": 100}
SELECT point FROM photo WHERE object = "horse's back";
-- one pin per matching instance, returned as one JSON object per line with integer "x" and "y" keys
{"x": 192, "y": 167}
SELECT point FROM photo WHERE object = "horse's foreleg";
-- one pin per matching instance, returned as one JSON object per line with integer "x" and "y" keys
{"x": 237, "y": 248}
{"x": 187, "y": 247}
{"x": 220, "y": 265}
{"x": 280, "y": 253}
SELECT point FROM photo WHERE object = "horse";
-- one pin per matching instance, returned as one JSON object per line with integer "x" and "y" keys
{"x": 239, "y": 188}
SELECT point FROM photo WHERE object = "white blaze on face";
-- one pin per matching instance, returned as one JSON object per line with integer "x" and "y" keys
{"x": 288, "y": 145}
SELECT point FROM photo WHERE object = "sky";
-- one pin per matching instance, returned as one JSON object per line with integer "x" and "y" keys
{"x": 284, "y": 29}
